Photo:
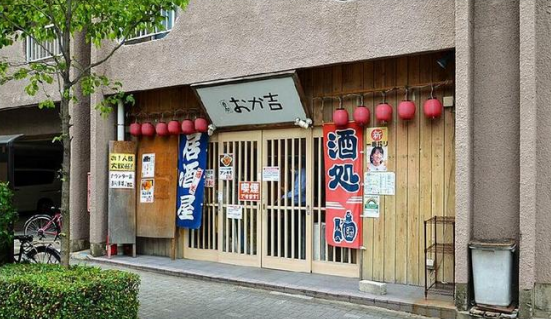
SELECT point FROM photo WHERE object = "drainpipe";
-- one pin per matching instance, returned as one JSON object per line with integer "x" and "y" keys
{"x": 120, "y": 121}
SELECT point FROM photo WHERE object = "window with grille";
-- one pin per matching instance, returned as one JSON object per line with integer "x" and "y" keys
{"x": 156, "y": 33}
{"x": 38, "y": 51}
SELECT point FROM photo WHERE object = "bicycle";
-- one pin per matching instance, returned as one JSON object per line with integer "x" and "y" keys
{"x": 28, "y": 253}
{"x": 44, "y": 227}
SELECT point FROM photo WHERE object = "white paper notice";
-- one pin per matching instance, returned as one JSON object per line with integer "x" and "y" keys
{"x": 270, "y": 174}
{"x": 148, "y": 165}
{"x": 388, "y": 183}
{"x": 234, "y": 211}
{"x": 121, "y": 179}
{"x": 209, "y": 178}
{"x": 382, "y": 183}
{"x": 371, "y": 206}
{"x": 372, "y": 183}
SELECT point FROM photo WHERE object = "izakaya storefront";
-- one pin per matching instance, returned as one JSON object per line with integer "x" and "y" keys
{"x": 281, "y": 196}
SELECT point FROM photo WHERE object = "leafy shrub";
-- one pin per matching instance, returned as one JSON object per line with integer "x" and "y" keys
{"x": 8, "y": 216}
{"x": 51, "y": 291}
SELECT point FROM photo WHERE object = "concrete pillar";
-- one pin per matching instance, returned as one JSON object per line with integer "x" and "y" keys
{"x": 464, "y": 146}
{"x": 80, "y": 155}
{"x": 535, "y": 151}
{"x": 102, "y": 131}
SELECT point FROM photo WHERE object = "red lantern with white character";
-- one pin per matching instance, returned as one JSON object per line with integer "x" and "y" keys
{"x": 361, "y": 115}
{"x": 201, "y": 125}
{"x": 173, "y": 127}
{"x": 340, "y": 117}
{"x": 406, "y": 110}
{"x": 383, "y": 113}
{"x": 188, "y": 127}
{"x": 148, "y": 129}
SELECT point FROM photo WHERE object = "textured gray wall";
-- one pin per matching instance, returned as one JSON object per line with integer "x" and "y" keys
{"x": 496, "y": 120}
{"x": 12, "y": 93}
{"x": 80, "y": 153}
{"x": 230, "y": 38}
{"x": 464, "y": 12}
{"x": 543, "y": 80}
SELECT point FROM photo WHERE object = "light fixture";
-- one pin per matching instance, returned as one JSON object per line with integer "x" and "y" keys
{"x": 443, "y": 61}
{"x": 211, "y": 129}
{"x": 303, "y": 123}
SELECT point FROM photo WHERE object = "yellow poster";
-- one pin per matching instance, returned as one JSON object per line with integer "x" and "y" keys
{"x": 377, "y": 149}
{"x": 121, "y": 162}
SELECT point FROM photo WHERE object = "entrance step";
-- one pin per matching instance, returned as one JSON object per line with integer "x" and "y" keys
{"x": 399, "y": 297}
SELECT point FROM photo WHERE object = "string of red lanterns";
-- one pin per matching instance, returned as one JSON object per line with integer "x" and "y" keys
{"x": 432, "y": 108}
{"x": 163, "y": 129}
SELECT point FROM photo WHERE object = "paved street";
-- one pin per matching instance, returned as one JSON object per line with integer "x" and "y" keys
{"x": 168, "y": 297}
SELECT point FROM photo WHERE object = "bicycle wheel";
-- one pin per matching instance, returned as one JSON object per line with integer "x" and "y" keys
{"x": 42, "y": 228}
{"x": 44, "y": 255}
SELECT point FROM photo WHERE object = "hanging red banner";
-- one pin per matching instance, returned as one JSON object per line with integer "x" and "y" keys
{"x": 343, "y": 188}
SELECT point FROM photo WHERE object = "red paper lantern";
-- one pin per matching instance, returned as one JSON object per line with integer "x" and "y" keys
{"x": 383, "y": 113}
{"x": 162, "y": 129}
{"x": 340, "y": 117}
{"x": 148, "y": 129}
{"x": 201, "y": 125}
{"x": 432, "y": 108}
{"x": 173, "y": 127}
{"x": 188, "y": 127}
{"x": 406, "y": 110}
{"x": 135, "y": 129}
{"x": 361, "y": 115}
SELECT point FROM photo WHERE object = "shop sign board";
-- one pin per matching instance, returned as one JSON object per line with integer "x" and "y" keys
{"x": 192, "y": 162}
{"x": 121, "y": 179}
{"x": 121, "y": 162}
{"x": 234, "y": 211}
{"x": 148, "y": 165}
{"x": 377, "y": 149}
{"x": 252, "y": 101}
{"x": 225, "y": 169}
{"x": 147, "y": 190}
{"x": 270, "y": 174}
{"x": 344, "y": 197}
{"x": 249, "y": 191}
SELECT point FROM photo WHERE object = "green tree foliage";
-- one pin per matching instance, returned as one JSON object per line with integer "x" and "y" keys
{"x": 61, "y": 21}
{"x": 8, "y": 216}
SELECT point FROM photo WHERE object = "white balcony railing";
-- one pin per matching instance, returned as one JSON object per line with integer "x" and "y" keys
{"x": 157, "y": 33}
{"x": 38, "y": 51}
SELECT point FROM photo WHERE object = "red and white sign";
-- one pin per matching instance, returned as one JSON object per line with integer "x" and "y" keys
{"x": 343, "y": 173}
{"x": 249, "y": 191}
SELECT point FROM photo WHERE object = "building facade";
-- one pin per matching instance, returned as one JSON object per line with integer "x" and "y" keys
{"x": 482, "y": 162}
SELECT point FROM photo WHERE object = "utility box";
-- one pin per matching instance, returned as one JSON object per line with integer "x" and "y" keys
{"x": 492, "y": 263}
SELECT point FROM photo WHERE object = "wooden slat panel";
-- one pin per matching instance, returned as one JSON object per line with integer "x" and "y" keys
{"x": 401, "y": 179}
{"x": 414, "y": 220}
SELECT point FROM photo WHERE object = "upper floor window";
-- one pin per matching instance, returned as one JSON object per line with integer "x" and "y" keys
{"x": 38, "y": 51}
{"x": 156, "y": 33}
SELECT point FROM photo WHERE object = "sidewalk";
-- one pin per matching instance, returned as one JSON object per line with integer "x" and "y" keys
{"x": 399, "y": 297}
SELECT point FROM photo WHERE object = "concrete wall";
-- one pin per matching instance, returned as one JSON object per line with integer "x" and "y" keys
{"x": 230, "y": 38}
{"x": 496, "y": 120}
{"x": 464, "y": 15}
{"x": 12, "y": 93}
